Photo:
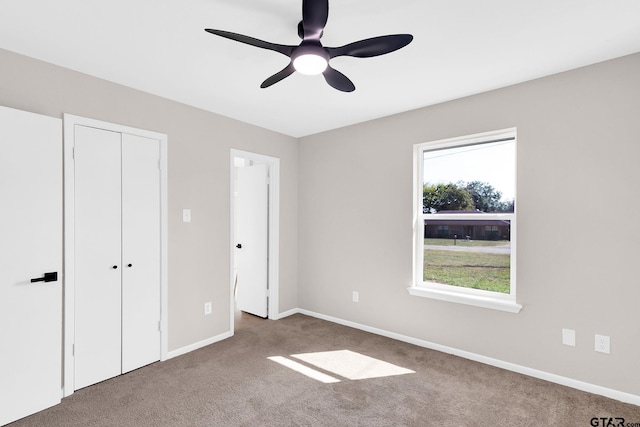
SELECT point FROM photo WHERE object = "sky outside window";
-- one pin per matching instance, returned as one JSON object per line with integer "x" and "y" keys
{"x": 493, "y": 163}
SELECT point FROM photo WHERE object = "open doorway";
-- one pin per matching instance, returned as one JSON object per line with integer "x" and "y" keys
{"x": 254, "y": 183}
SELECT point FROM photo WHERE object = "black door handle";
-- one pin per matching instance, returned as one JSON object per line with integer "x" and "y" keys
{"x": 239, "y": 246}
{"x": 129, "y": 265}
{"x": 114, "y": 267}
{"x": 48, "y": 277}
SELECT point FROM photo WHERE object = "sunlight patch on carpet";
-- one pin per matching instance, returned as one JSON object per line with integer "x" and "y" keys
{"x": 352, "y": 365}
{"x": 304, "y": 370}
{"x": 345, "y": 363}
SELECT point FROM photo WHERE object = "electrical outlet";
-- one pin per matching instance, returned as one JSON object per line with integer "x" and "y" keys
{"x": 569, "y": 337}
{"x": 356, "y": 296}
{"x": 207, "y": 308}
{"x": 603, "y": 344}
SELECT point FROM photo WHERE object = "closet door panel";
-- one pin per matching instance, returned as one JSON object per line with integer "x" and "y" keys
{"x": 98, "y": 266}
{"x": 141, "y": 251}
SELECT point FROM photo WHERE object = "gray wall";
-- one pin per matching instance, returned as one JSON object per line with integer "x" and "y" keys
{"x": 577, "y": 206}
{"x": 199, "y": 144}
{"x": 346, "y": 212}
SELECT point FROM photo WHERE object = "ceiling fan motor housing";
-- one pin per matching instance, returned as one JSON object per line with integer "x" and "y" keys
{"x": 301, "y": 30}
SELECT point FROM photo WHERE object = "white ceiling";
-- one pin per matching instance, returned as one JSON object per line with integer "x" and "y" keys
{"x": 460, "y": 47}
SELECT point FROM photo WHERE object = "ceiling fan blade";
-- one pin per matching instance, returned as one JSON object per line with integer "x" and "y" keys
{"x": 314, "y": 18}
{"x": 371, "y": 47}
{"x": 337, "y": 80}
{"x": 281, "y": 48}
{"x": 286, "y": 72}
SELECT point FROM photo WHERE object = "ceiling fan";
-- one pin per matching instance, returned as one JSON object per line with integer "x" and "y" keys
{"x": 310, "y": 57}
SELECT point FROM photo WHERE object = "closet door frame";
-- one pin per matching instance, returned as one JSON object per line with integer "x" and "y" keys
{"x": 70, "y": 121}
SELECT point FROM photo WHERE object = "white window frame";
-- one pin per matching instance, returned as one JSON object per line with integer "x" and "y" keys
{"x": 457, "y": 294}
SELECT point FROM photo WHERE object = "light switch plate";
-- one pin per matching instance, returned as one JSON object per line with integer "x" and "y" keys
{"x": 186, "y": 215}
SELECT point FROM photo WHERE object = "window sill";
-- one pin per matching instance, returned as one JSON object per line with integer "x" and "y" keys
{"x": 460, "y": 298}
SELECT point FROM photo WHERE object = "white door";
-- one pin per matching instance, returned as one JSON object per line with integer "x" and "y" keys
{"x": 97, "y": 255}
{"x": 30, "y": 245}
{"x": 140, "y": 251}
{"x": 252, "y": 239}
{"x": 117, "y": 253}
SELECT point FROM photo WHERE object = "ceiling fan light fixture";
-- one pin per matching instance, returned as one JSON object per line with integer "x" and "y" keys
{"x": 310, "y": 64}
{"x": 310, "y": 56}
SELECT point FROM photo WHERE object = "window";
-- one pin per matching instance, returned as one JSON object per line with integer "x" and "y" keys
{"x": 443, "y": 231}
{"x": 465, "y": 220}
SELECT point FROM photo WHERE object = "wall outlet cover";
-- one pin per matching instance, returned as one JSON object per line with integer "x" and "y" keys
{"x": 186, "y": 215}
{"x": 569, "y": 337}
{"x": 603, "y": 344}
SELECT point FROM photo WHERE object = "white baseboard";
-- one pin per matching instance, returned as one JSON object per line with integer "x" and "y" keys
{"x": 197, "y": 345}
{"x": 557, "y": 379}
{"x": 186, "y": 349}
{"x": 288, "y": 313}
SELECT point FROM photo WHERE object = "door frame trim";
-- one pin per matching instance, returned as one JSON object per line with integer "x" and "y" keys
{"x": 69, "y": 123}
{"x": 273, "y": 251}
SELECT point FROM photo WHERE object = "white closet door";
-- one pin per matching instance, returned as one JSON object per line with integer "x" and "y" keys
{"x": 98, "y": 255}
{"x": 140, "y": 251}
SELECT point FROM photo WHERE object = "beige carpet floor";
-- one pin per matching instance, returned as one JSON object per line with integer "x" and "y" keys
{"x": 233, "y": 383}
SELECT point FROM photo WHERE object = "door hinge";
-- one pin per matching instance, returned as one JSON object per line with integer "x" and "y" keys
{"x": 73, "y": 152}
{"x": 73, "y": 349}
{"x": 160, "y": 325}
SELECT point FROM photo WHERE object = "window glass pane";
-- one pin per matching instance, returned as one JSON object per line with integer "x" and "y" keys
{"x": 472, "y": 253}
{"x": 478, "y": 177}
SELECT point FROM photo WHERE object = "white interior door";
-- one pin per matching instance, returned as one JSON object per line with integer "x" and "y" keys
{"x": 30, "y": 245}
{"x": 140, "y": 251}
{"x": 252, "y": 239}
{"x": 98, "y": 269}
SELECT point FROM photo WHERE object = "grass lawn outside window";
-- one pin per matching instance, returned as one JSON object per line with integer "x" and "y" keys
{"x": 475, "y": 270}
